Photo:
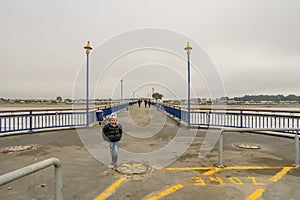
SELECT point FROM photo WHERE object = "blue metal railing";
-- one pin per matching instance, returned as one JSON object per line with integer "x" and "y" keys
{"x": 109, "y": 110}
{"x": 33, "y": 120}
{"x": 237, "y": 118}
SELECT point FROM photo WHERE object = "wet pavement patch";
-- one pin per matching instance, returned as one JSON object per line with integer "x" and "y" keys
{"x": 133, "y": 168}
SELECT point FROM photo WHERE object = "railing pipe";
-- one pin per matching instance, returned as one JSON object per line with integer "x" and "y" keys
{"x": 17, "y": 174}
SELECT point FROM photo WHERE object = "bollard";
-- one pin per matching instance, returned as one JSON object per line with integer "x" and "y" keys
{"x": 220, "y": 151}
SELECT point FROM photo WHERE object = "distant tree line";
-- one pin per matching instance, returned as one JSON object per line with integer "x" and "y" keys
{"x": 275, "y": 98}
{"x": 157, "y": 96}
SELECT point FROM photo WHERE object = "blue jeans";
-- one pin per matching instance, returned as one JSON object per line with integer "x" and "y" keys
{"x": 114, "y": 151}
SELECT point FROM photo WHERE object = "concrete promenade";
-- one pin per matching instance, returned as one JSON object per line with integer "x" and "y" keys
{"x": 172, "y": 151}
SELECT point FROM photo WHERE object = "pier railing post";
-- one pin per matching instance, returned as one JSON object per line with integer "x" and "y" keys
{"x": 296, "y": 150}
{"x": 30, "y": 121}
{"x": 241, "y": 119}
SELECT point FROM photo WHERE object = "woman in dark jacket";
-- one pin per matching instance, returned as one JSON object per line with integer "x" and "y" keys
{"x": 112, "y": 132}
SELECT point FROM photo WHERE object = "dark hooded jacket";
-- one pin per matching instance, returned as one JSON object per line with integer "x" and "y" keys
{"x": 112, "y": 133}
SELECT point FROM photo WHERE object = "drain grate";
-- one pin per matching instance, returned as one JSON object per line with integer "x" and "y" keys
{"x": 133, "y": 168}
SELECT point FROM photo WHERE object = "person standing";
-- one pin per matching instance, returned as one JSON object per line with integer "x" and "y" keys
{"x": 139, "y": 102}
{"x": 112, "y": 133}
{"x": 145, "y": 101}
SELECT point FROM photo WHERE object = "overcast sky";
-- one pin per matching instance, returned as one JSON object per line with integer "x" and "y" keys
{"x": 254, "y": 45}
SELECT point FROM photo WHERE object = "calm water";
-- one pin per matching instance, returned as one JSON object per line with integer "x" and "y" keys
{"x": 258, "y": 107}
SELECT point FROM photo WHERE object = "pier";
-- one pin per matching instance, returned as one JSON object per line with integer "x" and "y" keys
{"x": 255, "y": 165}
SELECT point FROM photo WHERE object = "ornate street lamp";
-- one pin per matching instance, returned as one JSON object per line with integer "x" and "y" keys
{"x": 88, "y": 49}
{"x": 188, "y": 49}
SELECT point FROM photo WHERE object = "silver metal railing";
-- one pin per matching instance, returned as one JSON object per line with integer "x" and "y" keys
{"x": 296, "y": 136}
{"x": 17, "y": 174}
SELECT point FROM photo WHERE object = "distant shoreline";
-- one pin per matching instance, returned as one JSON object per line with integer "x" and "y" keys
{"x": 35, "y": 105}
{"x": 59, "y": 105}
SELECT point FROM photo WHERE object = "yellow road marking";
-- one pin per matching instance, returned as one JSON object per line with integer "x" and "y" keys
{"x": 256, "y": 194}
{"x": 198, "y": 181}
{"x": 225, "y": 168}
{"x": 212, "y": 171}
{"x": 217, "y": 179}
{"x": 166, "y": 192}
{"x": 280, "y": 174}
{"x": 186, "y": 168}
{"x": 254, "y": 182}
{"x": 254, "y": 167}
{"x": 235, "y": 180}
{"x": 110, "y": 189}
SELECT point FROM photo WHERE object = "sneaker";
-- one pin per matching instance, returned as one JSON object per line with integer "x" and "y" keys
{"x": 110, "y": 166}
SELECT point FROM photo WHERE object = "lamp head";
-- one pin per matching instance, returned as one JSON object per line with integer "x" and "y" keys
{"x": 188, "y": 48}
{"x": 88, "y": 48}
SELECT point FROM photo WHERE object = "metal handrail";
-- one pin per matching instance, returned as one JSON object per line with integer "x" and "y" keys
{"x": 236, "y": 118}
{"x": 17, "y": 174}
{"x": 35, "y": 120}
{"x": 296, "y": 136}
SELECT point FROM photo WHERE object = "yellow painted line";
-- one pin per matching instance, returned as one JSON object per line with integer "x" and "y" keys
{"x": 225, "y": 168}
{"x": 280, "y": 174}
{"x": 256, "y": 194}
{"x": 186, "y": 169}
{"x": 212, "y": 171}
{"x": 110, "y": 189}
{"x": 165, "y": 192}
{"x": 255, "y": 167}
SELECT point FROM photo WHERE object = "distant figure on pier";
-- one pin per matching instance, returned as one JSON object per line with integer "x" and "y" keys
{"x": 139, "y": 102}
{"x": 112, "y": 133}
{"x": 149, "y": 103}
{"x": 145, "y": 101}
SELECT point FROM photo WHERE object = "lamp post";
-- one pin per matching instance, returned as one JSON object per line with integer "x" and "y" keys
{"x": 121, "y": 90}
{"x": 188, "y": 49}
{"x": 88, "y": 49}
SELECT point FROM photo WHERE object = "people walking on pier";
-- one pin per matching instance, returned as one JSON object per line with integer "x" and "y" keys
{"x": 145, "y": 101}
{"x": 149, "y": 103}
{"x": 139, "y": 102}
{"x": 112, "y": 133}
